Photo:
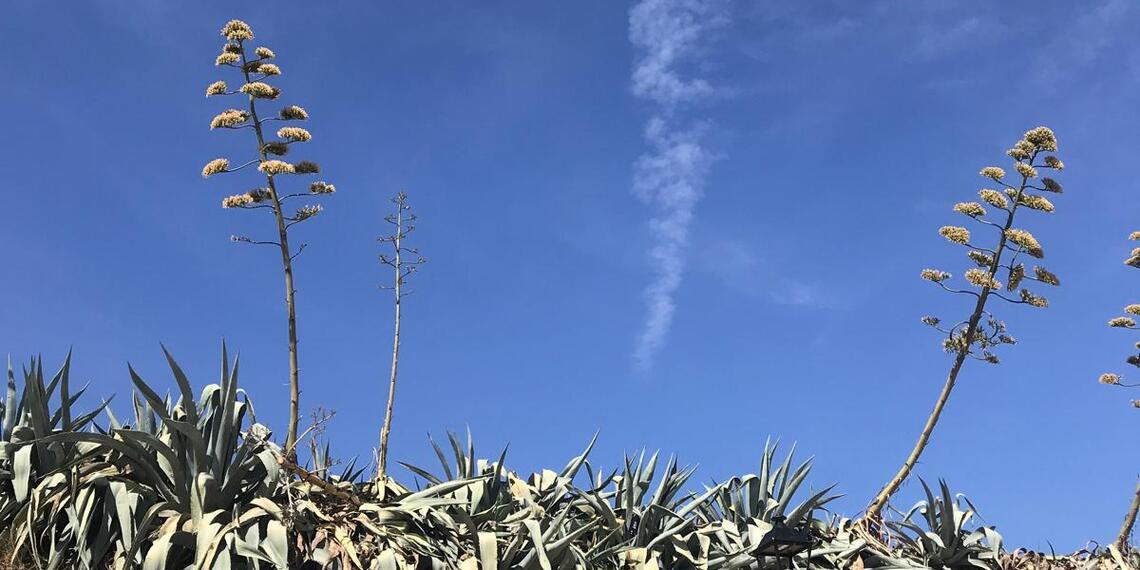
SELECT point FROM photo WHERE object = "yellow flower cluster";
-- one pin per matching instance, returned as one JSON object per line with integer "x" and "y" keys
{"x": 294, "y": 134}
{"x": 972, "y": 209}
{"x": 1026, "y": 241}
{"x": 993, "y": 172}
{"x": 1122, "y": 322}
{"x": 294, "y": 113}
{"x": 227, "y": 58}
{"x": 1134, "y": 236}
{"x": 1133, "y": 309}
{"x": 1023, "y": 150}
{"x": 322, "y": 188}
{"x": 1042, "y": 138}
{"x": 1109, "y": 379}
{"x": 269, "y": 69}
{"x": 264, "y": 53}
{"x": 229, "y": 118}
{"x": 1033, "y": 300}
{"x": 237, "y": 30}
{"x": 981, "y": 278}
{"x": 1016, "y": 274}
{"x": 237, "y": 201}
{"x": 216, "y": 88}
{"x": 215, "y": 166}
{"x": 956, "y": 234}
{"x": 981, "y": 258}
{"x": 1054, "y": 163}
{"x": 1045, "y": 276}
{"x": 1026, "y": 170}
{"x": 272, "y": 167}
{"x": 260, "y": 90}
{"x": 1037, "y": 203}
{"x": 993, "y": 198}
{"x": 306, "y": 212}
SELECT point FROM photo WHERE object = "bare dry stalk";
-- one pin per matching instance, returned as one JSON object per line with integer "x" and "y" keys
{"x": 404, "y": 261}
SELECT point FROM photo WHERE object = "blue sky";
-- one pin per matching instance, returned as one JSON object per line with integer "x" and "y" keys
{"x": 837, "y": 136}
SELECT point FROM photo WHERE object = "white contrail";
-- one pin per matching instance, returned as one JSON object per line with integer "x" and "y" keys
{"x": 670, "y": 176}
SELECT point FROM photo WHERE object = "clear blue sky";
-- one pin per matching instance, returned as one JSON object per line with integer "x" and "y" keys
{"x": 842, "y": 134}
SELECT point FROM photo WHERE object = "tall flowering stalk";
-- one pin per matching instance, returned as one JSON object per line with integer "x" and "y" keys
{"x": 978, "y": 335}
{"x": 255, "y": 68}
{"x": 404, "y": 261}
{"x": 1127, "y": 321}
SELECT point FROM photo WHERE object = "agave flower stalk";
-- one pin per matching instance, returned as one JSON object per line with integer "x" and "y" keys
{"x": 977, "y": 336}
{"x": 255, "y": 71}
{"x": 404, "y": 261}
{"x": 1127, "y": 321}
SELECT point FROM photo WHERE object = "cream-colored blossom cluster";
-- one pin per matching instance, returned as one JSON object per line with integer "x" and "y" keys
{"x": 227, "y": 58}
{"x": 972, "y": 209}
{"x": 268, "y": 69}
{"x": 1026, "y": 170}
{"x": 306, "y": 212}
{"x": 1045, "y": 276}
{"x": 229, "y": 118}
{"x": 993, "y": 198}
{"x": 272, "y": 167}
{"x": 237, "y": 201}
{"x": 321, "y": 187}
{"x": 993, "y": 172}
{"x": 216, "y": 88}
{"x": 237, "y": 31}
{"x": 1109, "y": 379}
{"x": 1132, "y": 309}
{"x": 934, "y": 275}
{"x": 1026, "y": 241}
{"x": 264, "y": 53}
{"x": 294, "y": 134}
{"x": 1054, "y": 163}
{"x": 1042, "y": 138}
{"x": 1023, "y": 150}
{"x": 1036, "y": 202}
{"x": 1016, "y": 275}
{"x": 215, "y": 166}
{"x": 1033, "y": 300}
{"x": 982, "y": 258}
{"x": 1122, "y": 322}
{"x": 956, "y": 234}
{"x": 260, "y": 90}
{"x": 293, "y": 113}
{"x": 981, "y": 278}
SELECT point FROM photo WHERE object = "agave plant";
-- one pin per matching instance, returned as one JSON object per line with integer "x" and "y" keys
{"x": 510, "y": 521}
{"x": 183, "y": 484}
{"x": 935, "y": 532}
{"x": 742, "y": 511}
{"x": 40, "y": 409}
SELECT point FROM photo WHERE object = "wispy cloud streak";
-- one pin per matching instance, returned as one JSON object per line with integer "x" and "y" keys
{"x": 670, "y": 176}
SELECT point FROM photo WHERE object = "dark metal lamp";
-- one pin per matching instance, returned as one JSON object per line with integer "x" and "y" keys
{"x": 784, "y": 541}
